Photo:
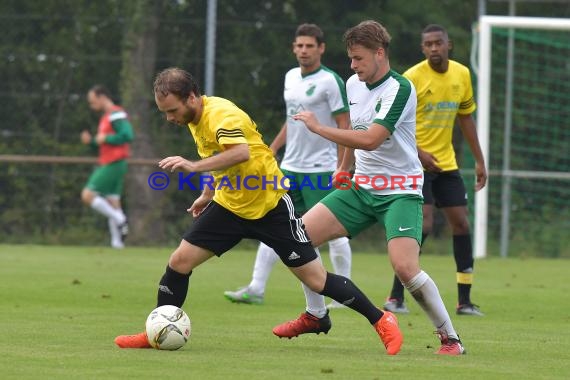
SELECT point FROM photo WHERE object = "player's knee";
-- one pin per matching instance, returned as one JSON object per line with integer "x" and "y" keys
{"x": 314, "y": 279}
{"x": 315, "y": 285}
{"x": 405, "y": 270}
{"x": 180, "y": 262}
{"x": 460, "y": 227}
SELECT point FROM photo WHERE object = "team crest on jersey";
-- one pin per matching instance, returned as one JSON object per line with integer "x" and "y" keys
{"x": 311, "y": 90}
{"x": 455, "y": 88}
{"x": 360, "y": 127}
{"x": 378, "y": 105}
{"x": 295, "y": 109}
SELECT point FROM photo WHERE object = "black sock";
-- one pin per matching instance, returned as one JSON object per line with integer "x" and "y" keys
{"x": 173, "y": 288}
{"x": 464, "y": 294}
{"x": 463, "y": 253}
{"x": 397, "y": 287}
{"x": 397, "y": 290}
{"x": 342, "y": 290}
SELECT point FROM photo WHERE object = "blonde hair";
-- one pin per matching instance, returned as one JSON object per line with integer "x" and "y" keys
{"x": 370, "y": 34}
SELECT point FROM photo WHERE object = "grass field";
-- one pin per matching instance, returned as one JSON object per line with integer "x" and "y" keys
{"x": 61, "y": 307}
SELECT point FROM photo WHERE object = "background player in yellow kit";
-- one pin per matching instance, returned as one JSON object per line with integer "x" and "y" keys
{"x": 444, "y": 94}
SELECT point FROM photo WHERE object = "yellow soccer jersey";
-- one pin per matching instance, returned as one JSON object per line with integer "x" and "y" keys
{"x": 441, "y": 96}
{"x": 250, "y": 189}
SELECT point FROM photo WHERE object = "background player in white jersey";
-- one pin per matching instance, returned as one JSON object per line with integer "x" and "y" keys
{"x": 383, "y": 117}
{"x": 314, "y": 87}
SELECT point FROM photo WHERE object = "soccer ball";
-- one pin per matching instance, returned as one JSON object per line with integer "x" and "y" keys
{"x": 167, "y": 328}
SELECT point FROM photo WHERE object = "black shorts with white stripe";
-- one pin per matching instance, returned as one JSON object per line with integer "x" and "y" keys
{"x": 219, "y": 230}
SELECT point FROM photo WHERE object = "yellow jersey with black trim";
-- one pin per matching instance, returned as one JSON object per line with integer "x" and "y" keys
{"x": 441, "y": 97}
{"x": 252, "y": 188}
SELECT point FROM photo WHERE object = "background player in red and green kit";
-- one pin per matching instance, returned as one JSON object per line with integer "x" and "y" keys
{"x": 105, "y": 185}
{"x": 444, "y": 94}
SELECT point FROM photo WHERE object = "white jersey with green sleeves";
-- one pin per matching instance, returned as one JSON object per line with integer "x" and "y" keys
{"x": 390, "y": 102}
{"x": 321, "y": 92}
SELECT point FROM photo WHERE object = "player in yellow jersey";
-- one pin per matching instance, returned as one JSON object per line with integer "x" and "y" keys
{"x": 444, "y": 94}
{"x": 249, "y": 200}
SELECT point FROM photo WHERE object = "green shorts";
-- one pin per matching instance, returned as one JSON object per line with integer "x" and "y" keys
{"x": 356, "y": 210}
{"x": 108, "y": 179}
{"x": 307, "y": 189}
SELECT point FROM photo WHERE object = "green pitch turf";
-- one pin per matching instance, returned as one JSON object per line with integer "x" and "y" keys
{"x": 61, "y": 307}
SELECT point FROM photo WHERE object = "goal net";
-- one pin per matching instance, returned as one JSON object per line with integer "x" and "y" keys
{"x": 524, "y": 127}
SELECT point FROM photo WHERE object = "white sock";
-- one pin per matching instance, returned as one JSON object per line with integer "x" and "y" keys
{"x": 425, "y": 292}
{"x": 315, "y": 302}
{"x": 341, "y": 256}
{"x": 264, "y": 262}
{"x": 116, "y": 241}
{"x": 101, "y": 205}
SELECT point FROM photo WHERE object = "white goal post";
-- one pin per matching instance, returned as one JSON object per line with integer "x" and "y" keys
{"x": 486, "y": 23}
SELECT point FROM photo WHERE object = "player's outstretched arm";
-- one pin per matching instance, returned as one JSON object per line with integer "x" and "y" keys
{"x": 469, "y": 130}
{"x": 369, "y": 139}
{"x": 233, "y": 155}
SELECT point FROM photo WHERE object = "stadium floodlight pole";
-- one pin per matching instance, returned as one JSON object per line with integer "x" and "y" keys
{"x": 484, "y": 104}
{"x": 210, "y": 62}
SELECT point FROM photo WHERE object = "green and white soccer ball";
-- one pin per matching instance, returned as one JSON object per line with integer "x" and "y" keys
{"x": 168, "y": 328}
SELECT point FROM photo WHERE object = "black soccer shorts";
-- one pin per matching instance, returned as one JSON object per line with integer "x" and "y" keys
{"x": 445, "y": 189}
{"x": 219, "y": 230}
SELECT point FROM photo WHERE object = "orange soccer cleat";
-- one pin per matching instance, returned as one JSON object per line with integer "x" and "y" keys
{"x": 133, "y": 341}
{"x": 390, "y": 334}
{"x": 305, "y": 324}
{"x": 449, "y": 346}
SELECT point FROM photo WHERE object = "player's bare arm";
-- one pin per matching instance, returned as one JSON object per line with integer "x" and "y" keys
{"x": 348, "y": 160}
{"x": 279, "y": 140}
{"x": 428, "y": 160}
{"x": 366, "y": 140}
{"x": 233, "y": 155}
{"x": 343, "y": 170}
{"x": 343, "y": 122}
{"x": 469, "y": 130}
{"x": 201, "y": 202}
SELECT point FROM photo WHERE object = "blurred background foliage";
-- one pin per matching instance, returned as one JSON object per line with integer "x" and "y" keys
{"x": 53, "y": 51}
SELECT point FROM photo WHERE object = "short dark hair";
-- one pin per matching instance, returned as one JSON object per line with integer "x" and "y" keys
{"x": 310, "y": 30}
{"x": 370, "y": 34}
{"x": 434, "y": 28}
{"x": 177, "y": 82}
{"x": 100, "y": 89}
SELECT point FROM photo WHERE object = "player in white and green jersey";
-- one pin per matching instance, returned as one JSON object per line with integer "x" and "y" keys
{"x": 308, "y": 157}
{"x": 390, "y": 102}
{"x": 322, "y": 92}
{"x": 445, "y": 94}
{"x": 386, "y": 187}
